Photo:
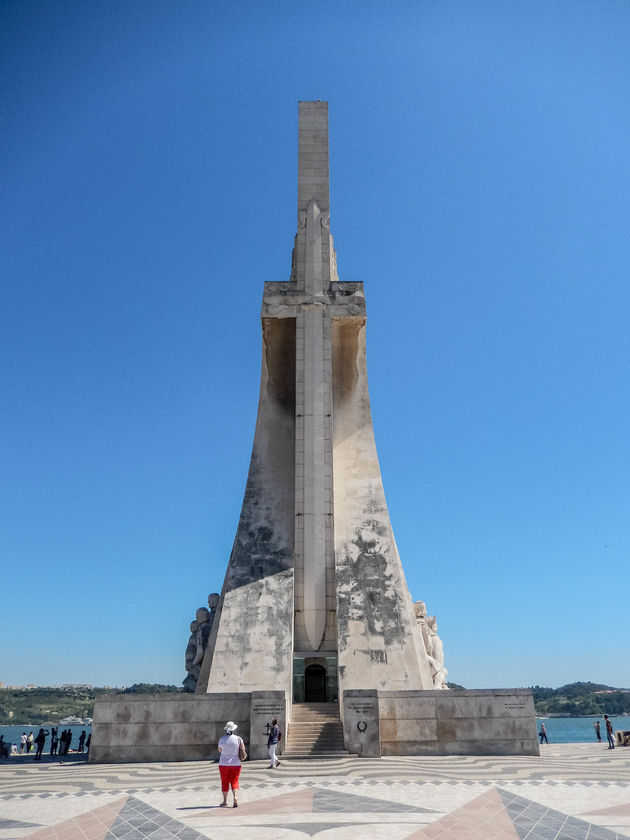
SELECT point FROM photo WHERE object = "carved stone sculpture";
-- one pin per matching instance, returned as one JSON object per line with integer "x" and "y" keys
{"x": 420, "y": 611}
{"x": 198, "y": 642}
{"x": 432, "y": 644}
{"x": 436, "y": 657}
{"x": 439, "y": 673}
{"x": 192, "y": 670}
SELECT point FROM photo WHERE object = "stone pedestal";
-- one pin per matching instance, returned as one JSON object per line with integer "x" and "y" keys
{"x": 266, "y": 705}
{"x": 474, "y": 722}
{"x": 164, "y": 727}
{"x": 361, "y": 723}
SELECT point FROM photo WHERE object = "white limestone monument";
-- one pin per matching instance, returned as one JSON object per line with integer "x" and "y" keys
{"x": 314, "y": 608}
{"x": 315, "y": 599}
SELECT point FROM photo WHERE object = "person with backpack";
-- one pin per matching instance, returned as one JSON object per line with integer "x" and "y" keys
{"x": 232, "y": 751}
{"x": 272, "y": 742}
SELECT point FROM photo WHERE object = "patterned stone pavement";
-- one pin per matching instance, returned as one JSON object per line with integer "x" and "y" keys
{"x": 572, "y": 792}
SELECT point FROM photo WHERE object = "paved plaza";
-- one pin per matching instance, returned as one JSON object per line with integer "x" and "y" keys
{"x": 572, "y": 792}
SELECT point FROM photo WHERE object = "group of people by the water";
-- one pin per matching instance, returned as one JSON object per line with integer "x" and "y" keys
{"x": 59, "y": 744}
{"x": 542, "y": 733}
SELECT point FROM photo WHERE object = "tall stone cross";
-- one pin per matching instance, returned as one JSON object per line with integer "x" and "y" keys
{"x": 314, "y": 575}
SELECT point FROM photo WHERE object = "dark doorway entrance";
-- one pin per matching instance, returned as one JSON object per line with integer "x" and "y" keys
{"x": 315, "y": 684}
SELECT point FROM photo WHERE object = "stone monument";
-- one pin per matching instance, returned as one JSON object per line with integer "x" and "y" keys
{"x": 314, "y": 606}
{"x": 314, "y": 580}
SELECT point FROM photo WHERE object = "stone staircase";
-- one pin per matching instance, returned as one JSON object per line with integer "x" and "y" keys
{"x": 315, "y": 732}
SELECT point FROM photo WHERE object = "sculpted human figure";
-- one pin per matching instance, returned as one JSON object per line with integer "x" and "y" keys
{"x": 432, "y": 644}
{"x": 436, "y": 658}
{"x": 203, "y": 633}
{"x": 192, "y": 670}
{"x": 439, "y": 673}
{"x": 198, "y": 642}
{"x": 420, "y": 611}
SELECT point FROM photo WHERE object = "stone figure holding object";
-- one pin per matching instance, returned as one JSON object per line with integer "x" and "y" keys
{"x": 200, "y": 630}
{"x": 432, "y": 644}
{"x": 192, "y": 670}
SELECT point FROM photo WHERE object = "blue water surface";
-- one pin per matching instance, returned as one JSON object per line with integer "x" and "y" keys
{"x": 559, "y": 730}
{"x": 12, "y": 734}
{"x": 578, "y": 729}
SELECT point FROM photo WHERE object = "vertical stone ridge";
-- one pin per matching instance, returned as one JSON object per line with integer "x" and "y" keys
{"x": 313, "y": 169}
{"x": 313, "y": 245}
{"x": 313, "y": 277}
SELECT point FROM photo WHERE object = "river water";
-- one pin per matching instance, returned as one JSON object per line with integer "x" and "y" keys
{"x": 578, "y": 729}
{"x": 559, "y": 730}
{"x": 12, "y": 734}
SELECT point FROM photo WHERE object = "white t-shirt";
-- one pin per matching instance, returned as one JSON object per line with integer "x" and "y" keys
{"x": 228, "y": 745}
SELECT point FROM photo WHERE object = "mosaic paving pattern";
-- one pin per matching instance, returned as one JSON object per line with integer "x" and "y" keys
{"x": 391, "y": 799}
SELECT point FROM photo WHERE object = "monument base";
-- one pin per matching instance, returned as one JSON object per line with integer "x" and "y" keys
{"x": 468, "y": 722}
{"x": 186, "y": 727}
{"x": 180, "y": 727}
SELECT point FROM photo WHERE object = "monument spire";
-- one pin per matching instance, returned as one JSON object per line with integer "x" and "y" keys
{"x": 313, "y": 492}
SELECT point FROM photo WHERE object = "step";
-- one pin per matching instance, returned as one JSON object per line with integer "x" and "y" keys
{"x": 315, "y": 732}
{"x": 315, "y": 727}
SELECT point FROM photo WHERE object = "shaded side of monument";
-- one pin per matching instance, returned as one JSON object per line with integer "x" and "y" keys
{"x": 315, "y": 607}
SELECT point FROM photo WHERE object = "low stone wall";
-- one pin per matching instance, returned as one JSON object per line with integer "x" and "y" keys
{"x": 164, "y": 727}
{"x": 181, "y": 727}
{"x": 472, "y": 722}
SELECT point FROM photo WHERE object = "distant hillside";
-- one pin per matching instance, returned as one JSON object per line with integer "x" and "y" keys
{"x": 48, "y": 705}
{"x": 581, "y": 698}
{"x": 45, "y": 705}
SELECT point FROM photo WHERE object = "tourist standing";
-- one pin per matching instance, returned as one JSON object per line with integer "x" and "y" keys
{"x": 40, "y": 741}
{"x": 272, "y": 743}
{"x": 88, "y": 742}
{"x": 597, "y": 730}
{"x": 81, "y": 740}
{"x": 232, "y": 752}
{"x": 543, "y": 734}
{"x": 54, "y": 740}
{"x": 23, "y": 742}
{"x": 29, "y": 742}
{"x": 609, "y": 733}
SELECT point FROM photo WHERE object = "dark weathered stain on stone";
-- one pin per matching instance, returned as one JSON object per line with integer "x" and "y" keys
{"x": 367, "y": 589}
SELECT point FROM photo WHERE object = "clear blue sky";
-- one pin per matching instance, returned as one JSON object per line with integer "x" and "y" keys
{"x": 480, "y": 172}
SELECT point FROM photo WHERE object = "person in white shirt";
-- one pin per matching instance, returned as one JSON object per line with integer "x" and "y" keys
{"x": 230, "y": 762}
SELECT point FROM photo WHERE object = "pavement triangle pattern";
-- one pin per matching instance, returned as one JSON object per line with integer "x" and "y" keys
{"x": 483, "y": 818}
{"x": 90, "y": 825}
{"x": 300, "y": 802}
{"x": 139, "y": 821}
{"x": 350, "y": 803}
{"x": 533, "y": 820}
